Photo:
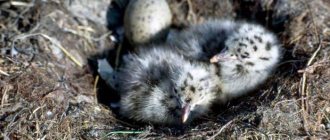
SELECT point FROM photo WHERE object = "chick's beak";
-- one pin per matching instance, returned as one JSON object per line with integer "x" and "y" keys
{"x": 186, "y": 113}
{"x": 222, "y": 56}
{"x": 216, "y": 58}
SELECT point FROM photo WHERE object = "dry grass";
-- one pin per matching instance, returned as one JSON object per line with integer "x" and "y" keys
{"x": 48, "y": 91}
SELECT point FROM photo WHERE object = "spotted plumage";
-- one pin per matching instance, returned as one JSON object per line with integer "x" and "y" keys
{"x": 245, "y": 67}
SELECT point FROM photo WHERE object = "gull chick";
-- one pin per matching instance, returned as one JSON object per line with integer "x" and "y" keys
{"x": 157, "y": 85}
{"x": 243, "y": 54}
{"x": 251, "y": 53}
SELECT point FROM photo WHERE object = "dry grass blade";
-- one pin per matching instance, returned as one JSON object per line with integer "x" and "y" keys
{"x": 4, "y": 73}
{"x": 304, "y": 93}
{"x": 56, "y": 43}
{"x": 122, "y": 132}
{"x": 19, "y": 3}
{"x": 303, "y": 86}
{"x": 95, "y": 86}
{"x": 220, "y": 131}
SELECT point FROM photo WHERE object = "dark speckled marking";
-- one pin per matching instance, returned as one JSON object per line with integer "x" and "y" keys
{"x": 251, "y": 41}
{"x": 242, "y": 44}
{"x": 250, "y": 63}
{"x": 182, "y": 88}
{"x": 239, "y": 68}
{"x": 264, "y": 58}
{"x": 236, "y": 39}
{"x": 239, "y": 50}
{"x": 258, "y": 38}
{"x": 268, "y": 46}
{"x": 192, "y": 88}
{"x": 244, "y": 56}
{"x": 246, "y": 53}
{"x": 255, "y": 48}
{"x": 185, "y": 82}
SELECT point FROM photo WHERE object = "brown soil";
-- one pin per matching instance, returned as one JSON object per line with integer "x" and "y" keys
{"x": 48, "y": 91}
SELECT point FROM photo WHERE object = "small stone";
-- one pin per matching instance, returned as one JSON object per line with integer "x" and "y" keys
{"x": 49, "y": 114}
{"x": 327, "y": 110}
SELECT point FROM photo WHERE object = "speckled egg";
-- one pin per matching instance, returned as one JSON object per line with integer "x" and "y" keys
{"x": 146, "y": 20}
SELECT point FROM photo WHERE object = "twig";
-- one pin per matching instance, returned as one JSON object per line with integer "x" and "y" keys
{"x": 95, "y": 85}
{"x": 122, "y": 132}
{"x": 4, "y": 73}
{"x": 3, "y": 99}
{"x": 19, "y": 3}
{"x": 126, "y": 132}
{"x": 219, "y": 132}
{"x": 304, "y": 93}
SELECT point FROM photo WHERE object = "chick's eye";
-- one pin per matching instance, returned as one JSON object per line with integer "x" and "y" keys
{"x": 188, "y": 99}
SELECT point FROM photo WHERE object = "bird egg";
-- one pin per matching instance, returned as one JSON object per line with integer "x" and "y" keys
{"x": 146, "y": 20}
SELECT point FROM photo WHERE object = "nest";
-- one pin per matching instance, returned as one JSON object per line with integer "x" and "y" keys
{"x": 49, "y": 92}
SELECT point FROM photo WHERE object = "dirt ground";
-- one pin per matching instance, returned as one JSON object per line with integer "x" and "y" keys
{"x": 49, "y": 92}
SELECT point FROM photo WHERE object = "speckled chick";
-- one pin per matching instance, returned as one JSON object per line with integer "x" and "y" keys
{"x": 146, "y": 20}
{"x": 159, "y": 86}
{"x": 244, "y": 54}
{"x": 251, "y": 53}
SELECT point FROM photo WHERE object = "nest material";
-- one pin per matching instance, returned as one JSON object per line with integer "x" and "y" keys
{"x": 47, "y": 91}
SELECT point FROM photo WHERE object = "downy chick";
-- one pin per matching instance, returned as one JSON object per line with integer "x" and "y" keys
{"x": 244, "y": 53}
{"x": 159, "y": 86}
{"x": 251, "y": 53}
